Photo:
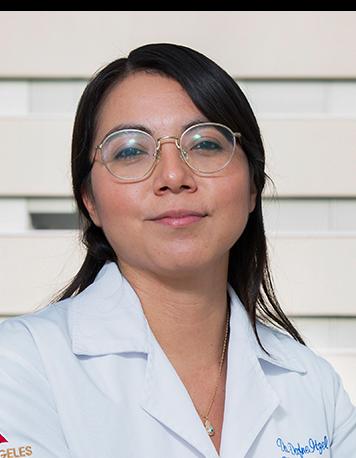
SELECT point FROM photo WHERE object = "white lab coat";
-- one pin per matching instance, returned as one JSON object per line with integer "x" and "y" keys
{"x": 86, "y": 378}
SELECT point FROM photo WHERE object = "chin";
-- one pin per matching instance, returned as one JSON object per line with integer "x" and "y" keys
{"x": 187, "y": 265}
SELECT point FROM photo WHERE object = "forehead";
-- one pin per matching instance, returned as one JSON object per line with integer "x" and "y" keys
{"x": 156, "y": 101}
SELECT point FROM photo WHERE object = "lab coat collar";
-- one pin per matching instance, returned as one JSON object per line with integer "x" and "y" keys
{"x": 107, "y": 317}
{"x": 279, "y": 355}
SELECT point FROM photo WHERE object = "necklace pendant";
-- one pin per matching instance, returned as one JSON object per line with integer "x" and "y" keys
{"x": 209, "y": 427}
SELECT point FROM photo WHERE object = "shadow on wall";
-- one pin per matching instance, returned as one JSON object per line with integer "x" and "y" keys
{"x": 55, "y": 220}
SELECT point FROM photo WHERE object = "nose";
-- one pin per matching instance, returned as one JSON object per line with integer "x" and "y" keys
{"x": 172, "y": 173}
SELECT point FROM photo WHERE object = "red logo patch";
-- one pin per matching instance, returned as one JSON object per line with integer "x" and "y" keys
{"x": 2, "y": 439}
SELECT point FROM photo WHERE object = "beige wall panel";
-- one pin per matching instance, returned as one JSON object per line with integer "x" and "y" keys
{"x": 247, "y": 43}
{"x": 34, "y": 266}
{"x": 311, "y": 157}
{"x": 35, "y": 156}
{"x": 305, "y": 157}
{"x": 315, "y": 274}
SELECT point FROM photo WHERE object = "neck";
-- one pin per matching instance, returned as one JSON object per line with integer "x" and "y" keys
{"x": 187, "y": 316}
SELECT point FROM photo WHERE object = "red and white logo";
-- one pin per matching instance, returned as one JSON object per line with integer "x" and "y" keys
{"x": 2, "y": 439}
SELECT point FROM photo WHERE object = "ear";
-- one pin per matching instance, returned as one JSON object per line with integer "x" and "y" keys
{"x": 89, "y": 202}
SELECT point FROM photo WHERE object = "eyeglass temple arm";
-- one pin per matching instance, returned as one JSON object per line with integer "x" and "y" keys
{"x": 92, "y": 161}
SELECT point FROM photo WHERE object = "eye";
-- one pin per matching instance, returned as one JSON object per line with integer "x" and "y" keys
{"x": 129, "y": 153}
{"x": 207, "y": 145}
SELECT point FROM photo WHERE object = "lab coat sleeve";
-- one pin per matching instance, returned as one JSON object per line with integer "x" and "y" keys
{"x": 29, "y": 421}
{"x": 343, "y": 442}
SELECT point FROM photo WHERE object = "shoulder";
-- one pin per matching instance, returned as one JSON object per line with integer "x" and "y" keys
{"x": 28, "y": 342}
{"x": 20, "y": 335}
{"x": 25, "y": 388}
{"x": 310, "y": 376}
{"x": 312, "y": 371}
{"x": 54, "y": 313}
{"x": 308, "y": 362}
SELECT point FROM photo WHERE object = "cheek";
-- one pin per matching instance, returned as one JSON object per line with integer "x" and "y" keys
{"x": 234, "y": 204}
{"x": 236, "y": 188}
{"x": 115, "y": 204}
{"x": 118, "y": 220}
{"x": 115, "y": 213}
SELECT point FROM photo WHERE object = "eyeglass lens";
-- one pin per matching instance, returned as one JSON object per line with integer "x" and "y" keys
{"x": 131, "y": 153}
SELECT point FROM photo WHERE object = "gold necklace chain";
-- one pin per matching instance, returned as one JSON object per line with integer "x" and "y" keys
{"x": 207, "y": 423}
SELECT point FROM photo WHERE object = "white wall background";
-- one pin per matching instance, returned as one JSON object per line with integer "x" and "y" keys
{"x": 298, "y": 69}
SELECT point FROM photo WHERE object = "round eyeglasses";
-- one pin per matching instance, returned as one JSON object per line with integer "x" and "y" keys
{"x": 131, "y": 154}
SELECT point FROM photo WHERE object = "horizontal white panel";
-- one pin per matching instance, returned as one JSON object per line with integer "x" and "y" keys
{"x": 35, "y": 156}
{"x": 343, "y": 214}
{"x": 292, "y": 97}
{"x": 34, "y": 266}
{"x": 308, "y": 47}
{"x": 14, "y": 98}
{"x": 309, "y": 215}
{"x": 53, "y": 205}
{"x": 327, "y": 332}
{"x": 340, "y": 97}
{"x": 283, "y": 96}
{"x": 305, "y": 157}
{"x": 58, "y": 96}
{"x": 267, "y": 97}
{"x": 314, "y": 274}
{"x": 302, "y": 215}
{"x": 14, "y": 215}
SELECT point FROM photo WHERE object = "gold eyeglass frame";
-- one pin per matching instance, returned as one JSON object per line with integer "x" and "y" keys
{"x": 166, "y": 139}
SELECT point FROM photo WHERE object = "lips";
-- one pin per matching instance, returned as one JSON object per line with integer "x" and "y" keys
{"x": 179, "y": 218}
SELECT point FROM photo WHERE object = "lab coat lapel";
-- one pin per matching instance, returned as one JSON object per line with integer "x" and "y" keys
{"x": 250, "y": 400}
{"x": 107, "y": 317}
{"x": 166, "y": 399}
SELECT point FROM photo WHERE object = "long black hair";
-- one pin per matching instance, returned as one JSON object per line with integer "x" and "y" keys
{"x": 220, "y": 99}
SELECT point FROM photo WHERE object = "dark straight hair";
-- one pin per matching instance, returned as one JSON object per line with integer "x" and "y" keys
{"x": 220, "y": 99}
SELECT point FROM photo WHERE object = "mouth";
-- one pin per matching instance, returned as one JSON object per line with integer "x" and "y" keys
{"x": 179, "y": 218}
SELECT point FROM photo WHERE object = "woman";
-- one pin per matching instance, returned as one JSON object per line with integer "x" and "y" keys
{"x": 166, "y": 342}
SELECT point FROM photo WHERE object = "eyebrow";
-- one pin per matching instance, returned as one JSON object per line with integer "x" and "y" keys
{"x": 148, "y": 130}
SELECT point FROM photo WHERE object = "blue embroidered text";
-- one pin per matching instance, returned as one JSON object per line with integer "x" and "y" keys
{"x": 313, "y": 446}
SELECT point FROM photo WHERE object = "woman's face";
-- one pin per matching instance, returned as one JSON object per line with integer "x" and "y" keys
{"x": 127, "y": 212}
